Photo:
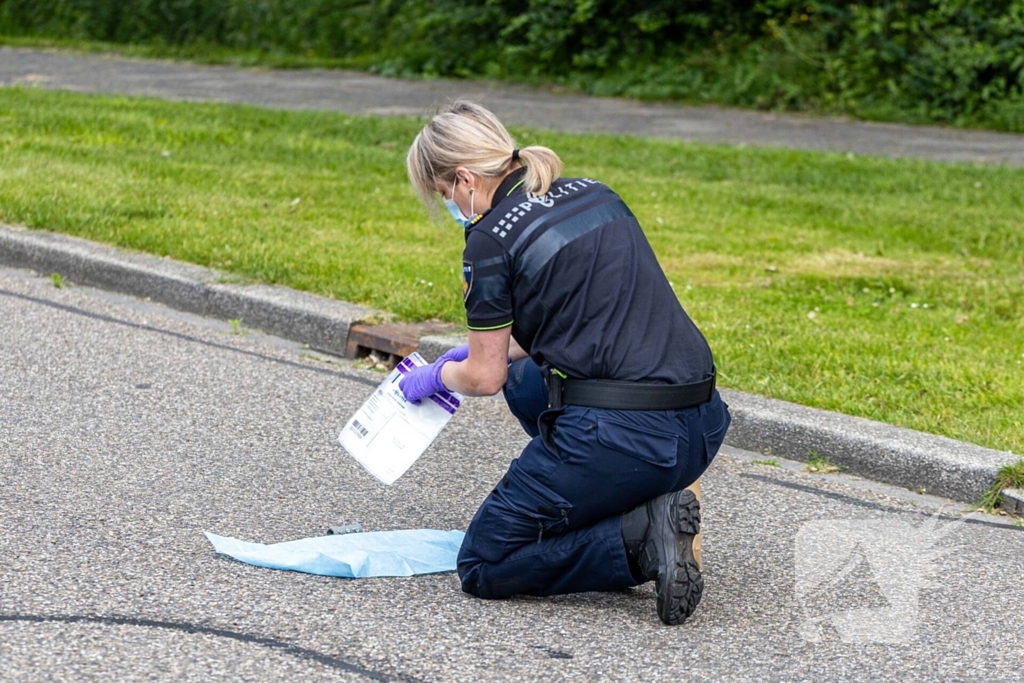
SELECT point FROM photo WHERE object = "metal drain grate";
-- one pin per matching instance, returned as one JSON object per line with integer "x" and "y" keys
{"x": 393, "y": 341}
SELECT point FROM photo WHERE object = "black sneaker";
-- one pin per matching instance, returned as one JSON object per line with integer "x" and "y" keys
{"x": 667, "y": 554}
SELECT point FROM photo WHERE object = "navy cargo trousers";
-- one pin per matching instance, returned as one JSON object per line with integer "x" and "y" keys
{"x": 553, "y": 523}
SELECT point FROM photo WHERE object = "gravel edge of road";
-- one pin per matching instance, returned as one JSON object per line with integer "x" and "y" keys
{"x": 895, "y": 455}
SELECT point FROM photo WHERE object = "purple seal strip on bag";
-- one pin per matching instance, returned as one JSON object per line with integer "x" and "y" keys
{"x": 441, "y": 398}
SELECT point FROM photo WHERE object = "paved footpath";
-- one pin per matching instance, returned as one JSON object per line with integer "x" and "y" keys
{"x": 361, "y": 93}
{"x": 128, "y": 429}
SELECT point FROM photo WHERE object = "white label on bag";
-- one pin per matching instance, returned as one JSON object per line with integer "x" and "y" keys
{"x": 388, "y": 434}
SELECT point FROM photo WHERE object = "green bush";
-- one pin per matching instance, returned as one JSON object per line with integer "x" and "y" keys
{"x": 945, "y": 61}
{"x": 953, "y": 61}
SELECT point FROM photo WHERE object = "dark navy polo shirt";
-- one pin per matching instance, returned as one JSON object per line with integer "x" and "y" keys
{"x": 573, "y": 274}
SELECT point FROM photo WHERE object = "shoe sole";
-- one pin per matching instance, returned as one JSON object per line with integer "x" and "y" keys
{"x": 680, "y": 587}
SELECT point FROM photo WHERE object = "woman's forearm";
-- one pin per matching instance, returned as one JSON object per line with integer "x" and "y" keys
{"x": 484, "y": 372}
{"x": 473, "y": 379}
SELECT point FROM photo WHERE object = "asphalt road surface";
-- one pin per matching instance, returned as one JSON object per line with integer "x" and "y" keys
{"x": 127, "y": 429}
{"x": 362, "y": 93}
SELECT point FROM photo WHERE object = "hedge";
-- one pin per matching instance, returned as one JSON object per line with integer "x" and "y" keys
{"x": 959, "y": 62}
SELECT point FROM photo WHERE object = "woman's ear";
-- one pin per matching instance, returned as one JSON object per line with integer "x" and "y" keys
{"x": 465, "y": 176}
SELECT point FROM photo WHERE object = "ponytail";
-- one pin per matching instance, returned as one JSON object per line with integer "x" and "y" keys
{"x": 543, "y": 167}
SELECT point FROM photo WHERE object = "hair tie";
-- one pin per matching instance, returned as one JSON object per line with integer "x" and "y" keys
{"x": 515, "y": 155}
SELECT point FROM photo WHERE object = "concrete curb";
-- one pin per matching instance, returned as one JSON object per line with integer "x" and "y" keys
{"x": 895, "y": 455}
{"x": 320, "y": 322}
{"x": 1013, "y": 501}
{"x": 432, "y": 346}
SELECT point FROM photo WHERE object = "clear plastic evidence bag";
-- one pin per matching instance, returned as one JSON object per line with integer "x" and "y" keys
{"x": 388, "y": 434}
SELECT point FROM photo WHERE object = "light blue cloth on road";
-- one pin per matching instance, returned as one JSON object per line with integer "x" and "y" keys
{"x": 379, "y": 553}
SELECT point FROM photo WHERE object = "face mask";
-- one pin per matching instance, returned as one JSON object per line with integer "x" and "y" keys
{"x": 454, "y": 209}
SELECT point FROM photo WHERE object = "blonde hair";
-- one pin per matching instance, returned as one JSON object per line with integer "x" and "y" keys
{"x": 466, "y": 134}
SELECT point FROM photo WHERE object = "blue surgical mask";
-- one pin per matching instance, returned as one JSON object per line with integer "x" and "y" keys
{"x": 454, "y": 209}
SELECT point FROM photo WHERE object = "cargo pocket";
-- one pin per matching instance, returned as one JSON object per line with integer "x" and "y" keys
{"x": 518, "y": 512}
{"x": 529, "y": 497}
{"x": 654, "y": 447}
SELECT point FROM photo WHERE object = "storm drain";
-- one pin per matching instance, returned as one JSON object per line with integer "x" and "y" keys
{"x": 390, "y": 341}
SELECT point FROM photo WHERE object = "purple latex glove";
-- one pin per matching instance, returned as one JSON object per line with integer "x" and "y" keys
{"x": 425, "y": 380}
{"x": 458, "y": 354}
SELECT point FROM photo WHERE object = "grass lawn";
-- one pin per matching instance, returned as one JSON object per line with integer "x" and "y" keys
{"x": 887, "y": 289}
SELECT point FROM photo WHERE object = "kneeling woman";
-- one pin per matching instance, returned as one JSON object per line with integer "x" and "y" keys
{"x": 571, "y": 316}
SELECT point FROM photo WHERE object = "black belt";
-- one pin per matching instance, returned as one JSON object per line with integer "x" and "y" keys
{"x": 618, "y": 395}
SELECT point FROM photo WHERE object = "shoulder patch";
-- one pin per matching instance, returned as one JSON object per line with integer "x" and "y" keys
{"x": 467, "y": 279}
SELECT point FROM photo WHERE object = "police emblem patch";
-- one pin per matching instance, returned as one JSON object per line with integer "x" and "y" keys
{"x": 467, "y": 279}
